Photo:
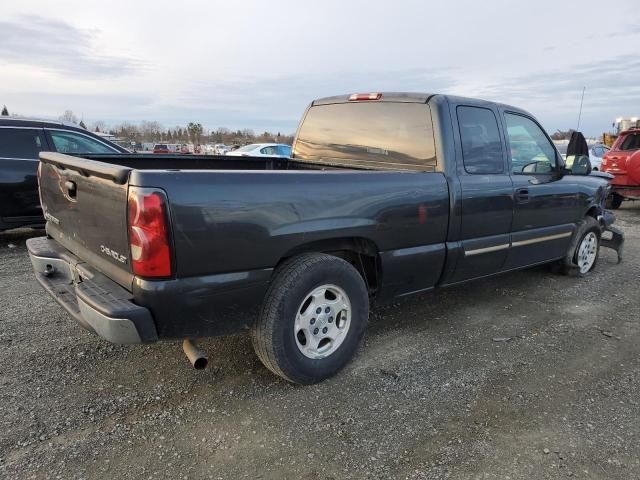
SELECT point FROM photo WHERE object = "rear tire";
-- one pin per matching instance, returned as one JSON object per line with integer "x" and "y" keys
{"x": 614, "y": 201}
{"x": 295, "y": 342}
{"x": 582, "y": 254}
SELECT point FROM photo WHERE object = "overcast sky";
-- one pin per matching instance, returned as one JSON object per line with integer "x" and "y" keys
{"x": 256, "y": 64}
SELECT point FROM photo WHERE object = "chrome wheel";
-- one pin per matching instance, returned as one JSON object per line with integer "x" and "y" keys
{"x": 322, "y": 321}
{"x": 587, "y": 252}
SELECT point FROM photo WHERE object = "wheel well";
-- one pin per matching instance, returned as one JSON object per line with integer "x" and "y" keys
{"x": 359, "y": 252}
{"x": 594, "y": 211}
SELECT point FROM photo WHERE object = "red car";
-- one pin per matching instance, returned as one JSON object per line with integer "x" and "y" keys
{"x": 623, "y": 162}
{"x": 161, "y": 148}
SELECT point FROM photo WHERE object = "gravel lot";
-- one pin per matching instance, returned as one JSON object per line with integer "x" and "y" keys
{"x": 528, "y": 375}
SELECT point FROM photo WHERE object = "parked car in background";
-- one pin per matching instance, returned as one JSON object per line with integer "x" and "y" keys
{"x": 161, "y": 148}
{"x": 623, "y": 162}
{"x": 21, "y": 140}
{"x": 386, "y": 195}
{"x": 220, "y": 149}
{"x": 596, "y": 152}
{"x": 263, "y": 150}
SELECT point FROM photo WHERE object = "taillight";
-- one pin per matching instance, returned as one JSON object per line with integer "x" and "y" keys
{"x": 365, "y": 96}
{"x": 149, "y": 232}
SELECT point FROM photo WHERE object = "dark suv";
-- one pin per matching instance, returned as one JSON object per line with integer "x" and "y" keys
{"x": 21, "y": 140}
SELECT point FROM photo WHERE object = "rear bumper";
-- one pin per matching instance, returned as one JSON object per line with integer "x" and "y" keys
{"x": 97, "y": 303}
{"x": 632, "y": 193}
{"x": 191, "y": 307}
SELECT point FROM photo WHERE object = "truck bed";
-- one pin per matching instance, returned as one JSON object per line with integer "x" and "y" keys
{"x": 232, "y": 221}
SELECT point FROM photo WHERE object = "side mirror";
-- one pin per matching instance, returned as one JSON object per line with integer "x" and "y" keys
{"x": 537, "y": 167}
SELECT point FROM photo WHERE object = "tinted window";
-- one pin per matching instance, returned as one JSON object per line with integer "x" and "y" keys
{"x": 531, "y": 151}
{"x": 370, "y": 134}
{"x": 481, "y": 145}
{"x": 269, "y": 151}
{"x": 21, "y": 143}
{"x": 284, "y": 150}
{"x": 631, "y": 141}
{"x": 69, "y": 142}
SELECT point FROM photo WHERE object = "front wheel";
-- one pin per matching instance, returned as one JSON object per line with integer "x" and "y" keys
{"x": 582, "y": 255}
{"x": 313, "y": 318}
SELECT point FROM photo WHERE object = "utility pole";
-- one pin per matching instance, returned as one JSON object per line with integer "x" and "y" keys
{"x": 580, "y": 112}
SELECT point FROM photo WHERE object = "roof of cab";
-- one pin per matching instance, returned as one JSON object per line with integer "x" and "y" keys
{"x": 403, "y": 97}
{"x": 413, "y": 97}
{"x": 35, "y": 122}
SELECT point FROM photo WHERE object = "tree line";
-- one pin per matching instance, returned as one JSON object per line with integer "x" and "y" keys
{"x": 193, "y": 132}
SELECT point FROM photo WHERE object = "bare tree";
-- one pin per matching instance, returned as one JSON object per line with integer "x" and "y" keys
{"x": 99, "y": 126}
{"x": 5, "y": 112}
{"x": 68, "y": 116}
{"x": 150, "y": 131}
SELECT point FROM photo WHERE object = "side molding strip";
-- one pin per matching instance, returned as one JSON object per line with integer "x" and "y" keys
{"x": 521, "y": 243}
{"x": 541, "y": 239}
{"x": 478, "y": 251}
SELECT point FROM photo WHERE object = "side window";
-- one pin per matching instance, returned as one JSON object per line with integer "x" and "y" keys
{"x": 21, "y": 143}
{"x": 481, "y": 145}
{"x": 531, "y": 151}
{"x": 69, "y": 142}
{"x": 269, "y": 151}
{"x": 284, "y": 150}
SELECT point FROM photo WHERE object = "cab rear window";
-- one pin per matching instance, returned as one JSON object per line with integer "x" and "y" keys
{"x": 377, "y": 135}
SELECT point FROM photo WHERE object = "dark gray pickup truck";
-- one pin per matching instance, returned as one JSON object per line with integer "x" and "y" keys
{"x": 386, "y": 195}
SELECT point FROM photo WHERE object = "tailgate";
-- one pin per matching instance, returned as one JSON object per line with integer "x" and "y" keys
{"x": 85, "y": 205}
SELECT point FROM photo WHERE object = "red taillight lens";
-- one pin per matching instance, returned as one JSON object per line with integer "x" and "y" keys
{"x": 365, "y": 96}
{"x": 149, "y": 233}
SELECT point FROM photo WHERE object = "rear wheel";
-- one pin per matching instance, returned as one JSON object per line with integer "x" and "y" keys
{"x": 313, "y": 318}
{"x": 614, "y": 201}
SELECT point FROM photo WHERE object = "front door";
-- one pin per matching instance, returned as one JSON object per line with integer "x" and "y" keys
{"x": 545, "y": 200}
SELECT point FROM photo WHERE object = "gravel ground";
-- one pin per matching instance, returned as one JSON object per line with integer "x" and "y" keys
{"x": 529, "y": 375}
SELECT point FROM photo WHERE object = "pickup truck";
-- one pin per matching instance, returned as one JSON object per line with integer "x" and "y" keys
{"x": 386, "y": 195}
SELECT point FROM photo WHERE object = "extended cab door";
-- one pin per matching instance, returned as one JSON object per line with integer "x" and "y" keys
{"x": 486, "y": 201}
{"x": 546, "y": 201}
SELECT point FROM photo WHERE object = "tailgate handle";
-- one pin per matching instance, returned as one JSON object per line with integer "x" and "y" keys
{"x": 71, "y": 188}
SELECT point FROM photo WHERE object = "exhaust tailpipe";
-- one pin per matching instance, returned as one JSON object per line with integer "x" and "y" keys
{"x": 197, "y": 357}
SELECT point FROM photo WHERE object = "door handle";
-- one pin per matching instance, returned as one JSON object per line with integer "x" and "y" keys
{"x": 522, "y": 195}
